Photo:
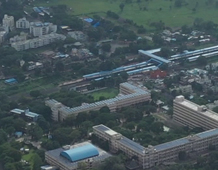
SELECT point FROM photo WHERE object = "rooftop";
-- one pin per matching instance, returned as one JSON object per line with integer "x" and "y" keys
{"x": 132, "y": 145}
{"x": 55, "y": 154}
{"x": 80, "y": 153}
{"x": 208, "y": 133}
{"x": 27, "y": 113}
{"x": 154, "y": 56}
{"x": 195, "y": 107}
{"x": 171, "y": 144}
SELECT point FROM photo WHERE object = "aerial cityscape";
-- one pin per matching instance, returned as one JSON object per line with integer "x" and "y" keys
{"x": 108, "y": 85}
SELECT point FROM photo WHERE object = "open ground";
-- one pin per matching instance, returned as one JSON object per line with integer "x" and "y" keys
{"x": 156, "y": 10}
{"x": 106, "y": 93}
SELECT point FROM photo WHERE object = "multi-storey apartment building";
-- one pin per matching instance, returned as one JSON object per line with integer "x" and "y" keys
{"x": 37, "y": 42}
{"x": 38, "y": 29}
{"x": 190, "y": 114}
{"x": 129, "y": 95}
{"x": 23, "y": 23}
{"x": 155, "y": 155}
{"x": 3, "y": 34}
{"x": 17, "y": 38}
{"x": 8, "y": 22}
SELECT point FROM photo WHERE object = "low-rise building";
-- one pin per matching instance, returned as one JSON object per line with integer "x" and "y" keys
{"x": 70, "y": 157}
{"x": 34, "y": 65}
{"x": 25, "y": 114}
{"x": 81, "y": 53}
{"x": 184, "y": 89}
{"x": 78, "y": 35}
{"x": 38, "y": 42}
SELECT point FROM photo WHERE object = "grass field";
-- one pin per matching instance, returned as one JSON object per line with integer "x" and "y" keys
{"x": 173, "y": 17}
{"x": 28, "y": 157}
{"x": 106, "y": 93}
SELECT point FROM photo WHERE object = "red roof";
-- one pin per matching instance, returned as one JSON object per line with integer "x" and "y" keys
{"x": 158, "y": 74}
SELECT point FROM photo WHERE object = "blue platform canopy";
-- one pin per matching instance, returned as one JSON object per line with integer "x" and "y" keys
{"x": 89, "y": 20}
{"x": 80, "y": 153}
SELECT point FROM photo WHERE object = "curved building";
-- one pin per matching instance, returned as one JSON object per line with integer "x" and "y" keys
{"x": 80, "y": 153}
{"x": 71, "y": 157}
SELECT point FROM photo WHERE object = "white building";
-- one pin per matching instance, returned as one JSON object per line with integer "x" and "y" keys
{"x": 2, "y": 36}
{"x": 38, "y": 29}
{"x": 78, "y": 35}
{"x": 38, "y": 42}
{"x": 17, "y": 38}
{"x": 8, "y": 22}
{"x": 192, "y": 115}
{"x": 23, "y": 23}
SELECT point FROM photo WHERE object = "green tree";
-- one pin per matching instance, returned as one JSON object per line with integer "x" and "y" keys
{"x": 215, "y": 109}
{"x": 35, "y": 93}
{"x": 178, "y": 3}
{"x": 36, "y": 161}
{"x": 82, "y": 165}
{"x": 43, "y": 123}
{"x": 121, "y": 6}
{"x": 106, "y": 47}
{"x": 9, "y": 166}
{"x": 165, "y": 52}
{"x": 157, "y": 127}
{"x": 35, "y": 131}
{"x": 19, "y": 124}
{"x": 202, "y": 61}
{"x": 3, "y": 136}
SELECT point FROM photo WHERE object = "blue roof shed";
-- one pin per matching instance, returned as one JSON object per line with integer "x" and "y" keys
{"x": 11, "y": 81}
{"x": 80, "y": 153}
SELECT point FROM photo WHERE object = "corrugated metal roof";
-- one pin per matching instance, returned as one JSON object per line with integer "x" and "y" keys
{"x": 80, "y": 153}
{"x": 171, "y": 144}
{"x": 208, "y": 133}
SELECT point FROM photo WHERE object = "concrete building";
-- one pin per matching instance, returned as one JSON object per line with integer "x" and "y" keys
{"x": 69, "y": 157}
{"x": 78, "y": 35}
{"x": 23, "y": 23}
{"x": 3, "y": 35}
{"x": 38, "y": 42}
{"x": 25, "y": 114}
{"x": 8, "y": 22}
{"x": 129, "y": 95}
{"x": 156, "y": 155}
{"x": 184, "y": 89}
{"x": 190, "y": 114}
{"x": 17, "y": 38}
{"x": 38, "y": 29}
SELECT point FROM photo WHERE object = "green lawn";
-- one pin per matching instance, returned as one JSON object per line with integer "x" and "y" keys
{"x": 28, "y": 157}
{"x": 106, "y": 93}
{"x": 173, "y": 17}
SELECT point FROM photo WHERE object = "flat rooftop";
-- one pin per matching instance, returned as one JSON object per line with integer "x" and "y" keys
{"x": 171, "y": 144}
{"x": 105, "y": 129}
{"x": 194, "y": 106}
{"x": 123, "y": 140}
{"x": 29, "y": 114}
